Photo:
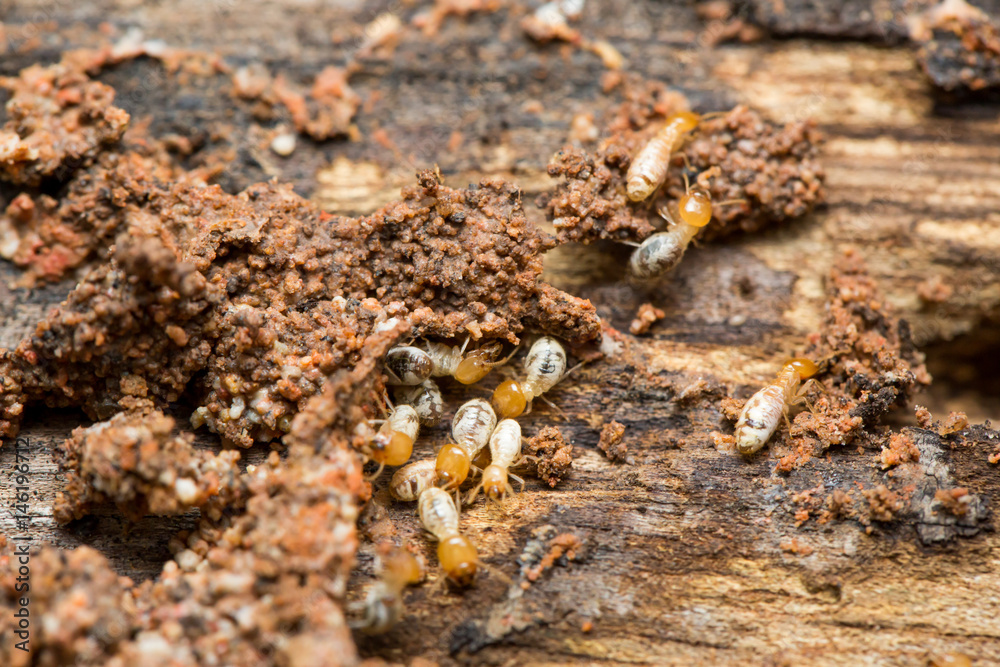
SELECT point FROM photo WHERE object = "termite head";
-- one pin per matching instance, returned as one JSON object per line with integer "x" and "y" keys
{"x": 452, "y": 466}
{"x": 458, "y": 558}
{"x": 478, "y": 363}
{"x": 495, "y": 484}
{"x": 684, "y": 121}
{"x": 806, "y": 368}
{"x": 393, "y": 448}
{"x": 509, "y": 400}
{"x": 400, "y": 568}
{"x": 695, "y": 208}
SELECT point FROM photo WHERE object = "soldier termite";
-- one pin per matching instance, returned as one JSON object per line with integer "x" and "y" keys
{"x": 456, "y": 553}
{"x": 383, "y": 606}
{"x": 663, "y": 251}
{"x": 466, "y": 368}
{"x": 471, "y": 428}
{"x": 761, "y": 414}
{"x": 544, "y": 366}
{"x": 505, "y": 448}
{"x": 407, "y": 365}
{"x": 649, "y": 167}
{"x": 425, "y": 399}
{"x": 411, "y": 480}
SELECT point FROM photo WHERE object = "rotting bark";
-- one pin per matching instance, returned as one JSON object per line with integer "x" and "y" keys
{"x": 692, "y": 555}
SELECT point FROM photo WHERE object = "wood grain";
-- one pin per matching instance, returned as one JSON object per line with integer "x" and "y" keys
{"x": 687, "y": 555}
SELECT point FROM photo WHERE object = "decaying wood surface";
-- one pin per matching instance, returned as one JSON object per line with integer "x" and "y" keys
{"x": 689, "y": 555}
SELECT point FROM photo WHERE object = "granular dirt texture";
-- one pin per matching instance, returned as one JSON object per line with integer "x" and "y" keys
{"x": 50, "y": 238}
{"x": 81, "y": 611}
{"x": 195, "y": 266}
{"x": 555, "y": 455}
{"x": 57, "y": 121}
{"x": 868, "y": 366}
{"x": 137, "y": 461}
{"x": 771, "y": 171}
{"x": 962, "y": 54}
{"x": 611, "y": 442}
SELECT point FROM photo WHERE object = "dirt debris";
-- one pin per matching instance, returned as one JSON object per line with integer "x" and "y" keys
{"x": 51, "y": 238}
{"x": 954, "y": 501}
{"x": 959, "y": 48}
{"x": 327, "y": 111}
{"x": 58, "y": 119}
{"x": 772, "y": 170}
{"x": 868, "y": 366}
{"x": 555, "y": 455}
{"x": 81, "y": 611}
{"x": 900, "y": 449}
{"x": 611, "y": 442}
{"x": 137, "y": 461}
{"x": 547, "y": 549}
{"x": 645, "y": 317}
{"x": 193, "y": 266}
{"x": 883, "y": 504}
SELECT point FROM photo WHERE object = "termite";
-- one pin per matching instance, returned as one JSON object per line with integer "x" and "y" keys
{"x": 471, "y": 428}
{"x": 466, "y": 368}
{"x": 384, "y": 605}
{"x": 407, "y": 365}
{"x": 505, "y": 450}
{"x": 456, "y": 553}
{"x": 649, "y": 168}
{"x": 393, "y": 444}
{"x": 425, "y": 399}
{"x": 411, "y": 480}
{"x": 663, "y": 251}
{"x": 544, "y": 366}
{"x": 761, "y": 414}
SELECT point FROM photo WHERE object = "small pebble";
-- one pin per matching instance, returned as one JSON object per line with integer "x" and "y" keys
{"x": 283, "y": 144}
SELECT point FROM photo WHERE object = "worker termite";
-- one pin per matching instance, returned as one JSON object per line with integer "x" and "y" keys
{"x": 411, "y": 480}
{"x": 544, "y": 366}
{"x": 456, "y": 553}
{"x": 466, "y": 368}
{"x": 393, "y": 444}
{"x": 425, "y": 399}
{"x": 649, "y": 168}
{"x": 471, "y": 428}
{"x": 663, "y": 251}
{"x": 505, "y": 449}
{"x": 408, "y": 365}
{"x": 761, "y": 414}
{"x": 383, "y": 606}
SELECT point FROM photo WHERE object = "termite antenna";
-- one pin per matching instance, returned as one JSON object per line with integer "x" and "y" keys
{"x": 372, "y": 477}
{"x": 559, "y": 411}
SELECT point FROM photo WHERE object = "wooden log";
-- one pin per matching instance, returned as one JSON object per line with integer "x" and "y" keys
{"x": 688, "y": 554}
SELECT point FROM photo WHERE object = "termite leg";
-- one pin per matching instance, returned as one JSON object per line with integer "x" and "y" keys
{"x": 517, "y": 479}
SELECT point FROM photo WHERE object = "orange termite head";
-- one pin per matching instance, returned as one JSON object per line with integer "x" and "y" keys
{"x": 509, "y": 400}
{"x": 459, "y": 559}
{"x": 477, "y": 364}
{"x": 695, "y": 208}
{"x": 495, "y": 482}
{"x": 401, "y": 568}
{"x": 806, "y": 368}
{"x": 452, "y": 466}
{"x": 393, "y": 448}
{"x": 685, "y": 121}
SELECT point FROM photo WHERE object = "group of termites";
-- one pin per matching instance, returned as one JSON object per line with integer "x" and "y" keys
{"x": 661, "y": 252}
{"x": 485, "y": 445}
{"x": 482, "y": 429}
